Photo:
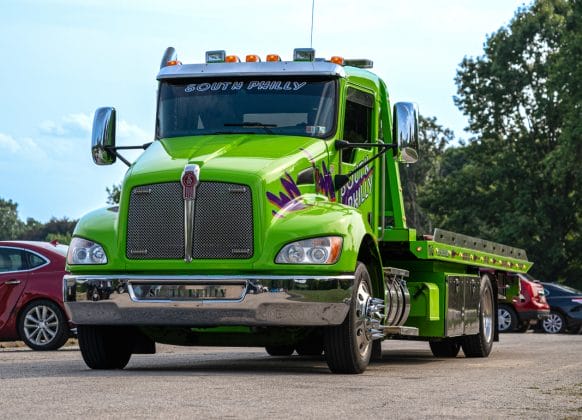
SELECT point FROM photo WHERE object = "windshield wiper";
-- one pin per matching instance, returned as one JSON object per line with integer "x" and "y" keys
{"x": 253, "y": 124}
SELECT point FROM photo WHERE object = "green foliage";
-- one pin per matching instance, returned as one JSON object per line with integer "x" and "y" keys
{"x": 113, "y": 194}
{"x": 518, "y": 181}
{"x": 10, "y": 225}
{"x": 433, "y": 138}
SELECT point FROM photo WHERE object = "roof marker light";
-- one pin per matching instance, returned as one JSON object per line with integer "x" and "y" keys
{"x": 215, "y": 56}
{"x": 303, "y": 54}
{"x": 232, "y": 59}
{"x": 337, "y": 60}
{"x": 273, "y": 57}
{"x": 253, "y": 58}
{"x": 173, "y": 63}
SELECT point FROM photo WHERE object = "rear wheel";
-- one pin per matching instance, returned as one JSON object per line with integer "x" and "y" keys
{"x": 280, "y": 350}
{"x": 554, "y": 323}
{"x": 105, "y": 347}
{"x": 480, "y": 345}
{"x": 506, "y": 318}
{"x": 348, "y": 347}
{"x": 445, "y": 348}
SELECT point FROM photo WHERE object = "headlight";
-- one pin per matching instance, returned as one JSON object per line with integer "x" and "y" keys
{"x": 324, "y": 250}
{"x": 82, "y": 251}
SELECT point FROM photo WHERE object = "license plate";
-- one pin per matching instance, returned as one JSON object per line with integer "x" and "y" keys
{"x": 187, "y": 292}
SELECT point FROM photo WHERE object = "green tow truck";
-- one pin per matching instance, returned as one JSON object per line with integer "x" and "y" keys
{"x": 268, "y": 212}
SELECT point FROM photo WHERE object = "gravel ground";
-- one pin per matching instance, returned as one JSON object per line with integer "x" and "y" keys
{"x": 529, "y": 376}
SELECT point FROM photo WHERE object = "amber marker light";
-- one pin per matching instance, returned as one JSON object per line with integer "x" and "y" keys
{"x": 337, "y": 60}
{"x": 418, "y": 248}
{"x": 173, "y": 63}
{"x": 273, "y": 57}
{"x": 252, "y": 58}
{"x": 336, "y": 248}
{"x": 232, "y": 59}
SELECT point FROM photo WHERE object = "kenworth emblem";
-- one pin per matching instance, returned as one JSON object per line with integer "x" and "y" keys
{"x": 189, "y": 181}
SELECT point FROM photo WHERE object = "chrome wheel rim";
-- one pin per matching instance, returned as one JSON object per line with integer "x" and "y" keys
{"x": 41, "y": 325}
{"x": 552, "y": 324}
{"x": 363, "y": 337}
{"x": 503, "y": 319}
{"x": 487, "y": 315}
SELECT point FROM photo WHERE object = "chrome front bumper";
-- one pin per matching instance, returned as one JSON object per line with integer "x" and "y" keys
{"x": 206, "y": 301}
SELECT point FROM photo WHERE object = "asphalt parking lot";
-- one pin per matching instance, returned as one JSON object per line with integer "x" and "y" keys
{"x": 527, "y": 376}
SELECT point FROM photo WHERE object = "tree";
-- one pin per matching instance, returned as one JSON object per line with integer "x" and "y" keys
{"x": 518, "y": 181}
{"x": 113, "y": 194}
{"x": 10, "y": 225}
{"x": 433, "y": 138}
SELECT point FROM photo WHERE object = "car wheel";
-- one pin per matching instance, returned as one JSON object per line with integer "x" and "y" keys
{"x": 554, "y": 323}
{"x": 43, "y": 326}
{"x": 445, "y": 348}
{"x": 280, "y": 350}
{"x": 348, "y": 347}
{"x": 480, "y": 345}
{"x": 506, "y": 318}
{"x": 105, "y": 347}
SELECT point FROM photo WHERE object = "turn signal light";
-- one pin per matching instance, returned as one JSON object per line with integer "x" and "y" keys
{"x": 273, "y": 57}
{"x": 232, "y": 59}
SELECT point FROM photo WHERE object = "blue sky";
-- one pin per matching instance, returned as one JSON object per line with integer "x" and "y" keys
{"x": 65, "y": 58}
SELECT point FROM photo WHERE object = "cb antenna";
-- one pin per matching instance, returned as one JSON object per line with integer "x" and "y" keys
{"x": 312, "y": 9}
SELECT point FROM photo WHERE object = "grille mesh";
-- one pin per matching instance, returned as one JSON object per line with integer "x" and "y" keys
{"x": 223, "y": 222}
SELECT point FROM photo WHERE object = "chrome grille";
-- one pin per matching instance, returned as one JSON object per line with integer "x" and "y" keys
{"x": 223, "y": 222}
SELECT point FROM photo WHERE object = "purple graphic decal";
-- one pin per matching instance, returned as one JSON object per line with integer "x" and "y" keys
{"x": 359, "y": 187}
{"x": 324, "y": 183}
{"x": 286, "y": 202}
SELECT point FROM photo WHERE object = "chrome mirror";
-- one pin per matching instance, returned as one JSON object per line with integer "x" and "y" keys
{"x": 405, "y": 130}
{"x": 103, "y": 138}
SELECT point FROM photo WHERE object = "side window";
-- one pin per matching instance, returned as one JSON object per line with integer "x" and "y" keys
{"x": 358, "y": 119}
{"x": 34, "y": 260}
{"x": 11, "y": 260}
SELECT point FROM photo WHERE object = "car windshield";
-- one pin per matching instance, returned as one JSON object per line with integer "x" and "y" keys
{"x": 286, "y": 106}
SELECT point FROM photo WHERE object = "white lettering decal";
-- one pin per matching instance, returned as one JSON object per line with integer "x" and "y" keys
{"x": 298, "y": 85}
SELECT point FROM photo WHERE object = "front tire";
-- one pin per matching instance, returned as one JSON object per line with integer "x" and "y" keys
{"x": 348, "y": 347}
{"x": 105, "y": 347}
{"x": 43, "y": 326}
{"x": 554, "y": 323}
{"x": 480, "y": 345}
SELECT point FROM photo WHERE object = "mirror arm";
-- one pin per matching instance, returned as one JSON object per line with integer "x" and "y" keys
{"x": 340, "y": 180}
{"x": 114, "y": 150}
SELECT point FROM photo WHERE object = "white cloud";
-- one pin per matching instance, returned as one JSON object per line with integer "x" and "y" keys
{"x": 72, "y": 125}
{"x": 8, "y": 143}
{"x": 24, "y": 147}
{"x": 127, "y": 131}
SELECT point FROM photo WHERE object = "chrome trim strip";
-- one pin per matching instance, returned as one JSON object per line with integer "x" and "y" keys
{"x": 201, "y": 278}
{"x": 277, "y": 68}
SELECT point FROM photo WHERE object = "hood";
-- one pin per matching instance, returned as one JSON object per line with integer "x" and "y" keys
{"x": 220, "y": 155}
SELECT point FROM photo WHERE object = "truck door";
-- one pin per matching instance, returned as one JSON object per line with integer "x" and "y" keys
{"x": 12, "y": 281}
{"x": 359, "y": 127}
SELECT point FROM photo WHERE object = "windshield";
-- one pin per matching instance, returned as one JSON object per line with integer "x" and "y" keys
{"x": 286, "y": 106}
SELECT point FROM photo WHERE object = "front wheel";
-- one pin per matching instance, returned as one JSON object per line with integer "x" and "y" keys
{"x": 105, "y": 347}
{"x": 480, "y": 345}
{"x": 348, "y": 347}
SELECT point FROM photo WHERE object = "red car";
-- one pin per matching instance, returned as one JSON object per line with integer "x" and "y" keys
{"x": 31, "y": 294}
{"x": 525, "y": 309}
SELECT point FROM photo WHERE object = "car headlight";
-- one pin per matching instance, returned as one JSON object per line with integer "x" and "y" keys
{"x": 325, "y": 250}
{"x": 82, "y": 251}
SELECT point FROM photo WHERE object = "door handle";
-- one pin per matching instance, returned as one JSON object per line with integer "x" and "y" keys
{"x": 12, "y": 282}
